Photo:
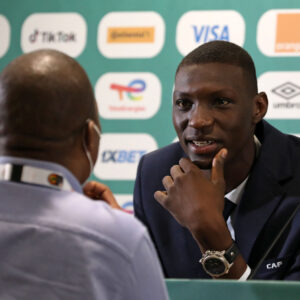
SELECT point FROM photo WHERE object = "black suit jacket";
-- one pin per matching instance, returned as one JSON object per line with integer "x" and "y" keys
{"x": 270, "y": 197}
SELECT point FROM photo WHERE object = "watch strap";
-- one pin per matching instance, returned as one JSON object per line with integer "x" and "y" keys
{"x": 231, "y": 253}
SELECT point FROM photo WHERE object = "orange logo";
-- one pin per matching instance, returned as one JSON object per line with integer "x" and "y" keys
{"x": 287, "y": 36}
{"x": 130, "y": 34}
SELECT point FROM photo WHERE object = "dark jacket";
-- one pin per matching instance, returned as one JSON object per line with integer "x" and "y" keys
{"x": 270, "y": 197}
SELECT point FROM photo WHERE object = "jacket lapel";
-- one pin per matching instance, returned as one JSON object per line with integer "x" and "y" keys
{"x": 265, "y": 187}
{"x": 260, "y": 200}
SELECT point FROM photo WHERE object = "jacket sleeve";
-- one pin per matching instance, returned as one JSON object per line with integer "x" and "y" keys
{"x": 138, "y": 195}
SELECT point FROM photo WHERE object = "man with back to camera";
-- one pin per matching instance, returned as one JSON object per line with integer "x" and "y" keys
{"x": 224, "y": 149}
{"x": 55, "y": 243}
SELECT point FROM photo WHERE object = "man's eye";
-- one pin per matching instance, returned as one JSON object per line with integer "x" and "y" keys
{"x": 222, "y": 101}
{"x": 183, "y": 104}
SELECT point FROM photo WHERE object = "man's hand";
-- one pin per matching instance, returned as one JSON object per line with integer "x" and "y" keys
{"x": 99, "y": 191}
{"x": 190, "y": 197}
{"x": 197, "y": 203}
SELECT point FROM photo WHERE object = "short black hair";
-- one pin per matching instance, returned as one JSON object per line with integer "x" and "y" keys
{"x": 222, "y": 52}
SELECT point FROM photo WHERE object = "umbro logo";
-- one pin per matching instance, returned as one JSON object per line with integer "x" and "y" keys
{"x": 287, "y": 90}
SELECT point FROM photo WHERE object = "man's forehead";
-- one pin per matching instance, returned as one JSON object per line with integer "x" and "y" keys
{"x": 208, "y": 68}
{"x": 211, "y": 74}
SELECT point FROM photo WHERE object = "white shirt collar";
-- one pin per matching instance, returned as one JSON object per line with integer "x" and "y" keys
{"x": 235, "y": 195}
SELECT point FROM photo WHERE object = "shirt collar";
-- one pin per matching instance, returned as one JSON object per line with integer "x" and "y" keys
{"x": 74, "y": 183}
{"x": 235, "y": 195}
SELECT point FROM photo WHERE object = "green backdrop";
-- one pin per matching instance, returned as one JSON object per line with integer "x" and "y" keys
{"x": 163, "y": 65}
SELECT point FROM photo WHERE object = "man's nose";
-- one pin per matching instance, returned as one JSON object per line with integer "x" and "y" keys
{"x": 201, "y": 117}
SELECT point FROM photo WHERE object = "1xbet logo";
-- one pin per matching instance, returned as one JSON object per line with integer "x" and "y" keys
{"x": 120, "y": 153}
{"x": 122, "y": 156}
{"x": 136, "y": 86}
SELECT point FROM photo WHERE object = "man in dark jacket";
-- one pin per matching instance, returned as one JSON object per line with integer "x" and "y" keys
{"x": 226, "y": 150}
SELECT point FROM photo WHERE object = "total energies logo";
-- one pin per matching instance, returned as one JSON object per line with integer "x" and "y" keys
{"x": 283, "y": 89}
{"x": 198, "y": 27}
{"x": 130, "y": 89}
{"x": 65, "y": 32}
{"x": 125, "y": 201}
{"x": 128, "y": 95}
{"x": 120, "y": 154}
{"x": 5, "y": 35}
{"x": 278, "y": 32}
{"x": 131, "y": 34}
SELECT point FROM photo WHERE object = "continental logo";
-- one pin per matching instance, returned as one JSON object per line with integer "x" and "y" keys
{"x": 278, "y": 33}
{"x": 283, "y": 89}
{"x": 5, "y": 35}
{"x": 120, "y": 154}
{"x": 66, "y": 32}
{"x": 131, "y": 34}
{"x": 197, "y": 27}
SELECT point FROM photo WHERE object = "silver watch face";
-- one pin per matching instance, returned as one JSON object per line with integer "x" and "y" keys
{"x": 218, "y": 263}
{"x": 214, "y": 266}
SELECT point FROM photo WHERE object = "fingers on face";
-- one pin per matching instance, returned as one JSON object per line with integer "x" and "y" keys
{"x": 217, "y": 172}
{"x": 160, "y": 196}
{"x": 186, "y": 164}
{"x": 167, "y": 182}
{"x": 176, "y": 171}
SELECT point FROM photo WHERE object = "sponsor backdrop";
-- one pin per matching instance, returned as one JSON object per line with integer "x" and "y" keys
{"x": 130, "y": 50}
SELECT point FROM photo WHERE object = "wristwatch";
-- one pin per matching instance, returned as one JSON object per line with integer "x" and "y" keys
{"x": 218, "y": 263}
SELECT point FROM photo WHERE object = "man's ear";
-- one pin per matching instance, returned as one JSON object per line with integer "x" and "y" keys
{"x": 260, "y": 107}
{"x": 91, "y": 138}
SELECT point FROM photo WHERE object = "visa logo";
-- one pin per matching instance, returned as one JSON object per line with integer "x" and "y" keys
{"x": 207, "y": 33}
{"x": 122, "y": 156}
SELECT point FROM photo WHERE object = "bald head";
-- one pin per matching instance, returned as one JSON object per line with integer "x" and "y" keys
{"x": 45, "y": 100}
{"x": 44, "y": 96}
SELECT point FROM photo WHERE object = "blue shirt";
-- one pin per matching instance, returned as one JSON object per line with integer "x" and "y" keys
{"x": 58, "y": 244}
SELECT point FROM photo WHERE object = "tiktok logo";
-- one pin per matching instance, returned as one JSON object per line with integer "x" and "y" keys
{"x": 66, "y": 32}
